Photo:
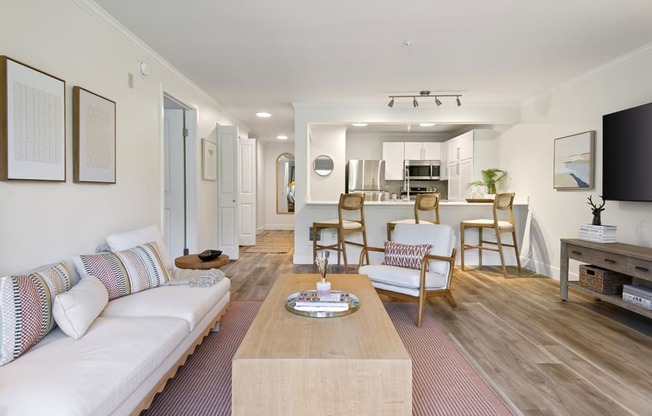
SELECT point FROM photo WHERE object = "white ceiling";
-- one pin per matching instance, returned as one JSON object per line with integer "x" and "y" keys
{"x": 261, "y": 55}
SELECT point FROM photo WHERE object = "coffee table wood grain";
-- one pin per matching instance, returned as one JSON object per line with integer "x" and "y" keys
{"x": 294, "y": 365}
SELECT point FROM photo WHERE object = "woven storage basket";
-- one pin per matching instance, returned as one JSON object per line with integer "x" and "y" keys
{"x": 602, "y": 280}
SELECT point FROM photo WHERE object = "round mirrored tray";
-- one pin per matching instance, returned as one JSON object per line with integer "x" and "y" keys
{"x": 354, "y": 305}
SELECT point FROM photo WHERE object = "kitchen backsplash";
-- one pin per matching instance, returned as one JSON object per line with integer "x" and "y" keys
{"x": 396, "y": 187}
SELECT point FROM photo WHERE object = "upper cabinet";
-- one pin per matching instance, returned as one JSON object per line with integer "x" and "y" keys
{"x": 460, "y": 147}
{"x": 393, "y": 155}
{"x": 422, "y": 151}
{"x": 468, "y": 155}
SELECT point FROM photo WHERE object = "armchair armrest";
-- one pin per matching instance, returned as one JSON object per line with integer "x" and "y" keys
{"x": 367, "y": 249}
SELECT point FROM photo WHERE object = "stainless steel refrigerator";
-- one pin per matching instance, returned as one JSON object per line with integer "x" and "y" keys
{"x": 366, "y": 176}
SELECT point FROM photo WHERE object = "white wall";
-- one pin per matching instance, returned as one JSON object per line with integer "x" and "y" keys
{"x": 327, "y": 140}
{"x": 526, "y": 151}
{"x": 45, "y": 222}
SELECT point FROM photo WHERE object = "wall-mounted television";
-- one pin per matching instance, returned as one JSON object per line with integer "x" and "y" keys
{"x": 627, "y": 154}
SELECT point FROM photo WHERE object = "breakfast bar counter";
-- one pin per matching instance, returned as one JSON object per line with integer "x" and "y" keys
{"x": 378, "y": 213}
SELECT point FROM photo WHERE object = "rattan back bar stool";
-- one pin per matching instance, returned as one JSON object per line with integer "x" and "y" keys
{"x": 502, "y": 202}
{"x": 423, "y": 203}
{"x": 348, "y": 206}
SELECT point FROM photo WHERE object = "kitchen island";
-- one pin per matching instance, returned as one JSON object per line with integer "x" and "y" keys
{"x": 378, "y": 213}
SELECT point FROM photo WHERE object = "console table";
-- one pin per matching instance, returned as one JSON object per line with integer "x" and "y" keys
{"x": 635, "y": 261}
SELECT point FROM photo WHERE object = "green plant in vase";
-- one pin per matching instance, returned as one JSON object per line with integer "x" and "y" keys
{"x": 490, "y": 179}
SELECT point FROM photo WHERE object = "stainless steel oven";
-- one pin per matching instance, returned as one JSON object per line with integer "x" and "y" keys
{"x": 422, "y": 169}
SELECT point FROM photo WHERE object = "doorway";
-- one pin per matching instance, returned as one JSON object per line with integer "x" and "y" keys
{"x": 179, "y": 137}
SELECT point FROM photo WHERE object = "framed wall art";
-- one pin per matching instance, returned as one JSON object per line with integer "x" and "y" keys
{"x": 93, "y": 140}
{"x": 209, "y": 160}
{"x": 573, "y": 161}
{"x": 32, "y": 120}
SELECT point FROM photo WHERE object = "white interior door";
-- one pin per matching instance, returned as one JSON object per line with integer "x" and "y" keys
{"x": 227, "y": 183}
{"x": 247, "y": 191}
{"x": 173, "y": 213}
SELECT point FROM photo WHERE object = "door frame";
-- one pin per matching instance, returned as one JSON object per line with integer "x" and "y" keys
{"x": 191, "y": 205}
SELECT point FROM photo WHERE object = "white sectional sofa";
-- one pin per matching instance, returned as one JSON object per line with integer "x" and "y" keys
{"x": 123, "y": 359}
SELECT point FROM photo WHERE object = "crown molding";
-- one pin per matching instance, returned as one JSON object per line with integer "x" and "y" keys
{"x": 101, "y": 15}
{"x": 592, "y": 73}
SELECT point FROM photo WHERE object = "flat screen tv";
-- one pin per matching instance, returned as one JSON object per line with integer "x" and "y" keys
{"x": 627, "y": 154}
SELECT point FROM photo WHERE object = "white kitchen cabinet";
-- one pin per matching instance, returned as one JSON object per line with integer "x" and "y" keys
{"x": 460, "y": 173}
{"x": 468, "y": 155}
{"x": 422, "y": 151}
{"x": 393, "y": 155}
{"x": 461, "y": 147}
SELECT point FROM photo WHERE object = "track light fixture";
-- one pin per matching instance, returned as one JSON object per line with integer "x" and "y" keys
{"x": 425, "y": 94}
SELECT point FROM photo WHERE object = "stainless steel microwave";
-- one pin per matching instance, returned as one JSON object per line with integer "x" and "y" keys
{"x": 422, "y": 169}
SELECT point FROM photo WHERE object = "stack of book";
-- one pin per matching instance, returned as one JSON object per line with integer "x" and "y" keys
{"x": 310, "y": 302}
{"x": 598, "y": 233}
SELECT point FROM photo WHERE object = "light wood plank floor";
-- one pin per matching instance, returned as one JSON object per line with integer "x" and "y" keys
{"x": 541, "y": 355}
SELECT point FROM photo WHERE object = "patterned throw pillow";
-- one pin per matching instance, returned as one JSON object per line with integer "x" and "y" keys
{"x": 125, "y": 272}
{"x": 406, "y": 255}
{"x": 26, "y": 308}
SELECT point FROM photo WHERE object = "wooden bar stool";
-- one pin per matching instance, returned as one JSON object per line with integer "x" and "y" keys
{"x": 349, "y": 204}
{"x": 503, "y": 202}
{"x": 424, "y": 202}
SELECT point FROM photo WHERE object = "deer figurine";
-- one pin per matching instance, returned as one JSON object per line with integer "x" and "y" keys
{"x": 596, "y": 211}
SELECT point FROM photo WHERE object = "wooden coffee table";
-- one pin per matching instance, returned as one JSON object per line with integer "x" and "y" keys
{"x": 349, "y": 365}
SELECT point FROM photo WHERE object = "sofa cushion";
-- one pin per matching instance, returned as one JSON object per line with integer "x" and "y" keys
{"x": 188, "y": 303}
{"x": 409, "y": 256}
{"x": 92, "y": 375}
{"x": 75, "y": 310}
{"x": 129, "y": 239}
{"x": 125, "y": 272}
{"x": 26, "y": 308}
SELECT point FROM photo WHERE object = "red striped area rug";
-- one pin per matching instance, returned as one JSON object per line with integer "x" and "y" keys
{"x": 444, "y": 383}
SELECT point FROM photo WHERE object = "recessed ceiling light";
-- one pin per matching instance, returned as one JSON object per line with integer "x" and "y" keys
{"x": 427, "y": 124}
{"x": 263, "y": 114}
{"x": 282, "y": 137}
{"x": 359, "y": 124}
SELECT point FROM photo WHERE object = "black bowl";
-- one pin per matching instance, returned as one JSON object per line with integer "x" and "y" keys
{"x": 208, "y": 255}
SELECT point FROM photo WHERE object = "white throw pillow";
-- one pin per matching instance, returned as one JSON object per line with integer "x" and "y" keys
{"x": 75, "y": 310}
{"x": 130, "y": 239}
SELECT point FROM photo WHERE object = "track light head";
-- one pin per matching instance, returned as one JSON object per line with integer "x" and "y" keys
{"x": 437, "y": 101}
{"x": 414, "y": 102}
{"x": 391, "y": 102}
{"x": 457, "y": 100}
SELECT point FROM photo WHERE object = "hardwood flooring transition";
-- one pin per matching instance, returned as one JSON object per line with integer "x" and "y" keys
{"x": 542, "y": 356}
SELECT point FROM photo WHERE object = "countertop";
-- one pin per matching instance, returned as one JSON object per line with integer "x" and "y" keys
{"x": 403, "y": 203}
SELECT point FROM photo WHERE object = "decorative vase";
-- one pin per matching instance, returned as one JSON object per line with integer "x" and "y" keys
{"x": 323, "y": 287}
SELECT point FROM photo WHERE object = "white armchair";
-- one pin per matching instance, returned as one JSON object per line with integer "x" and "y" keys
{"x": 417, "y": 283}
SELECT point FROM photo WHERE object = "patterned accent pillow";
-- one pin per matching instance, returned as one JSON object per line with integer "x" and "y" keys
{"x": 125, "y": 272}
{"x": 406, "y": 255}
{"x": 26, "y": 308}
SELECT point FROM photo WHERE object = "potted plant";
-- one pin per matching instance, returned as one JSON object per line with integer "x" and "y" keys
{"x": 490, "y": 179}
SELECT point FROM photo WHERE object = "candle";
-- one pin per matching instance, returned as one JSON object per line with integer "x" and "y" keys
{"x": 323, "y": 290}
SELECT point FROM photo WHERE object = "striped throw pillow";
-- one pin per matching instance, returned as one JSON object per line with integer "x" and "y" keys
{"x": 26, "y": 308}
{"x": 406, "y": 255}
{"x": 125, "y": 272}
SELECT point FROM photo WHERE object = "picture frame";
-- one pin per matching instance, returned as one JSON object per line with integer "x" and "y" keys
{"x": 209, "y": 160}
{"x": 94, "y": 137}
{"x": 573, "y": 163}
{"x": 32, "y": 123}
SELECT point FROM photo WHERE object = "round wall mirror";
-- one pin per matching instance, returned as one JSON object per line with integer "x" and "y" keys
{"x": 323, "y": 165}
{"x": 285, "y": 184}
